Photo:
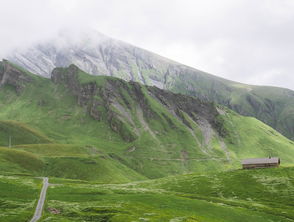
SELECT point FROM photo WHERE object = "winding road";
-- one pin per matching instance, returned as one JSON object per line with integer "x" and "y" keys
{"x": 39, "y": 208}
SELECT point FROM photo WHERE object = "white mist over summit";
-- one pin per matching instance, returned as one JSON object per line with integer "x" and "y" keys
{"x": 245, "y": 40}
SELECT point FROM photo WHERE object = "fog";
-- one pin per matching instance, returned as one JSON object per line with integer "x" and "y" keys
{"x": 243, "y": 40}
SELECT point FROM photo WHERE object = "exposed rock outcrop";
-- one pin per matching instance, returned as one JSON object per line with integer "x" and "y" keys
{"x": 118, "y": 102}
{"x": 12, "y": 76}
{"x": 96, "y": 99}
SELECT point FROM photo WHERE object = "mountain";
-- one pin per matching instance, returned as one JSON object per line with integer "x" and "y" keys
{"x": 100, "y": 55}
{"x": 100, "y": 128}
{"x": 103, "y": 141}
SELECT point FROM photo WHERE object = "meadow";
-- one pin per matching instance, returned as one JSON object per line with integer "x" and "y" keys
{"x": 18, "y": 197}
{"x": 239, "y": 195}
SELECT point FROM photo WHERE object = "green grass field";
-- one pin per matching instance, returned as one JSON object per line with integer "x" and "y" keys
{"x": 241, "y": 195}
{"x": 18, "y": 197}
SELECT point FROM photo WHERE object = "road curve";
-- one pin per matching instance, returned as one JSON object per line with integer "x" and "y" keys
{"x": 39, "y": 208}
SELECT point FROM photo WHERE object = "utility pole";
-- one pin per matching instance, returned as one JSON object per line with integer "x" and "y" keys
{"x": 9, "y": 142}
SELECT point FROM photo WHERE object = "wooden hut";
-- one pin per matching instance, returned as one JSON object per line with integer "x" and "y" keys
{"x": 260, "y": 162}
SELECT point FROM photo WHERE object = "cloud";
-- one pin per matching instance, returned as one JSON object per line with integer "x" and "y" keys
{"x": 243, "y": 40}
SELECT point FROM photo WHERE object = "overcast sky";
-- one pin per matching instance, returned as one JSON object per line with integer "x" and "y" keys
{"x": 251, "y": 41}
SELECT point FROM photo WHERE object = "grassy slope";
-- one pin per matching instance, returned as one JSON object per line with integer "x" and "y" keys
{"x": 47, "y": 109}
{"x": 18, "y": 197}
{"x": 272, "y": 105}
{"x": 51, "y": 110}
{"x": 17, "y": 161}
{"x": 66, "y": 161}
{"x": 20, "y": 134}
{"x": 248, "y": 137}
{"x": 242, "y": 195}
{"x": 264, "y": 190}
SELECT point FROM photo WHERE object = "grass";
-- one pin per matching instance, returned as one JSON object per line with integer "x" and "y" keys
{"x": 99, "y": 169}
{"x": 266, "y": 190}
{"x": 65, "y": 161}
{"x": 20, "y": 134}
{"x": 251, "y": 134}
{"x": 272, "y": 105}
{"x": 16, "y": 161}
{"x": 242, "y": 195}
{"x": 18, "y": 197}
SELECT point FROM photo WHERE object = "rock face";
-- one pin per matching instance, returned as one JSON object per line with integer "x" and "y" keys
{"x": 101, "y": 55}
{"x": 120, "y": 103}
{"x": 12, "y": 76}
{"x": 95, "y": 54}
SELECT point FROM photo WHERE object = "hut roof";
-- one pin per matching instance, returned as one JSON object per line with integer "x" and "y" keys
{"x": 261, "y": 160}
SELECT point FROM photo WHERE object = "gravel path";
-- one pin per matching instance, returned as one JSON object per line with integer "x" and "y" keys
{"x": 39, "y": 208}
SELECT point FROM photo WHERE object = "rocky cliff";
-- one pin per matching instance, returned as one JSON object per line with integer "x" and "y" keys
{"x": 9, "y": 75}
{"x": 121, "y": 103}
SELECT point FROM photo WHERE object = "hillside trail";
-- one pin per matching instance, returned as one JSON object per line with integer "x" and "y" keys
{"x": 39, "y": 208}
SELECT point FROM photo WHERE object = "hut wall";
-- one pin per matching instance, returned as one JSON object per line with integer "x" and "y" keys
{"x": 263, "y": 165}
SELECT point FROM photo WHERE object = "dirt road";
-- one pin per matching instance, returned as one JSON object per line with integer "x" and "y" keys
{"x": 39, "y": 208}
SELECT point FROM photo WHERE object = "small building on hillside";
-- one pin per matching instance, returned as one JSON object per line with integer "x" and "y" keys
{"x": 260, "y": 162}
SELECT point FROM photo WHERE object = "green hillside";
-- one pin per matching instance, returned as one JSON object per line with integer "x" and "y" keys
{"x": 15, "y": 161}
{"x": 95, "y": 136}
{"x": 19, "y": 134}
{"x": 241, "y": 195}
{"x": 65, "y": 161}
{"x": 266, "y": 190}
{"x": 18, "y": 196}
{"x": 262, "y": 195}
{"x": 272, "y": 105}
{"x": 143, "y": 129}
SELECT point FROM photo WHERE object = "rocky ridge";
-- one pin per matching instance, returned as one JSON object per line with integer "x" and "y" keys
{"x": 9, "y": 75}
{"x": 118, "y": 97}
{"x": 100, "y": 55}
